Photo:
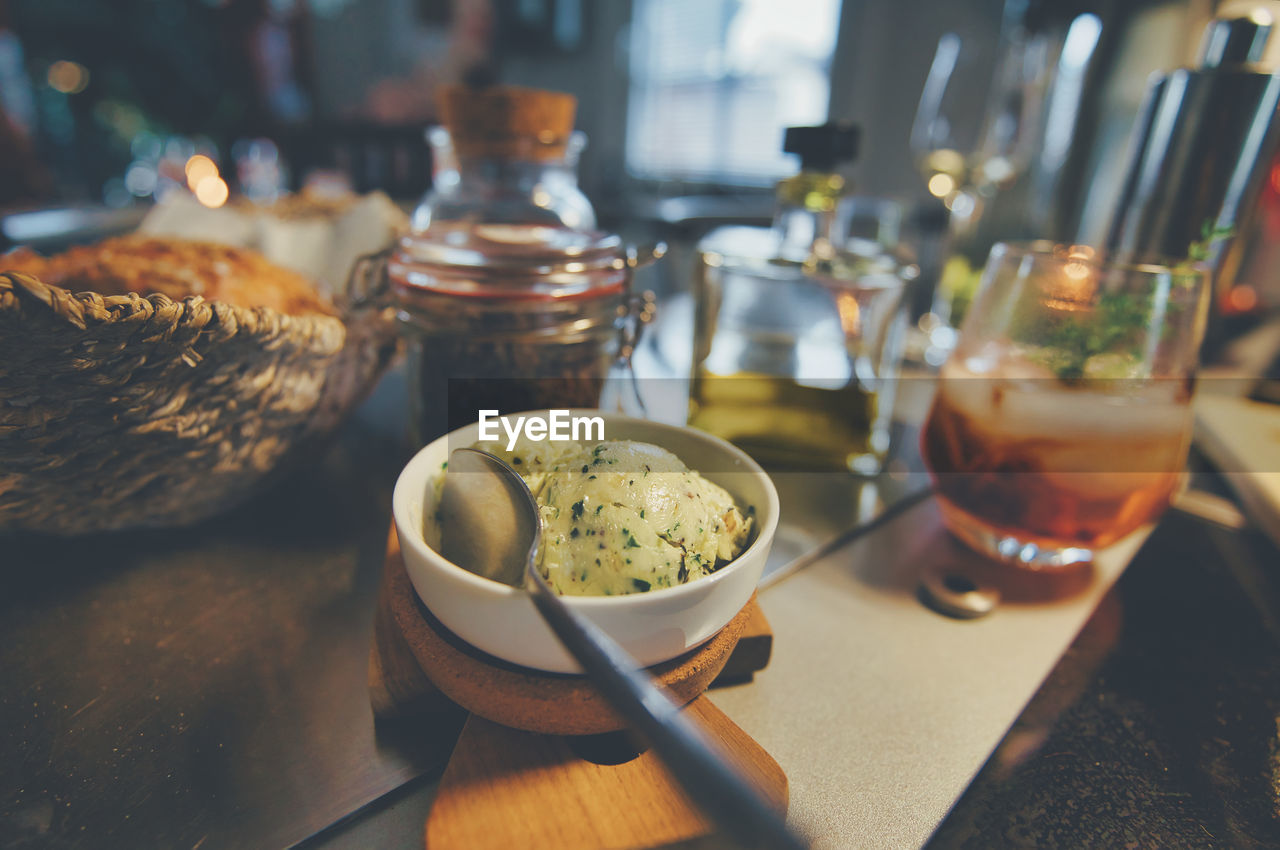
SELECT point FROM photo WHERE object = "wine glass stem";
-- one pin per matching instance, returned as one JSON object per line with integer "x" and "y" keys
{"x": 965, "y": 210}
{"x": 964, "y": 213}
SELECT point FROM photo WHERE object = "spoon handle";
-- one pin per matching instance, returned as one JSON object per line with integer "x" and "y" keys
{"x": 716, "y": 788}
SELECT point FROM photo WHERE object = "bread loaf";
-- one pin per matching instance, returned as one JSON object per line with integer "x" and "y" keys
{"x": 177, "y": 268}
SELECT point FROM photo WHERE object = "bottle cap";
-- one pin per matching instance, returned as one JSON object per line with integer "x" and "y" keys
{"x": 823, "y": 148}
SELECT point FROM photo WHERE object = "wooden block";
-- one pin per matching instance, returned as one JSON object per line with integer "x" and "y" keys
{"x": 504, "y": 789}
{"x": 755, "y": 646}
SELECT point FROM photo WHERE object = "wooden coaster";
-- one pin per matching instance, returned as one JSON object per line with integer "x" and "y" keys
{"x": 504, "y": 788}
{"x": 505, "y": 693}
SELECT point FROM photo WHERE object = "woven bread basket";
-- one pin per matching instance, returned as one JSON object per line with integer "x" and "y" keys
{"x": 123, "y": 411}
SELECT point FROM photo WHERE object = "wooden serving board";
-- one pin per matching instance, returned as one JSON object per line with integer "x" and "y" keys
{"x": 509, "y": 787}
{"x": 505, "y": 789}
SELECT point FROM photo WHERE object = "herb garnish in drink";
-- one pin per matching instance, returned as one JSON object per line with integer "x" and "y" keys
{"x": 1105, "y": 339}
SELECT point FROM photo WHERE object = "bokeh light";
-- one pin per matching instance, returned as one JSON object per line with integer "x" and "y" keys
{"x": 68, "y": 77}
{"x": 198, "y": 168}
{"x": 140, "y": 179}
{"x": 941, "y": 185}
{"x": 1242, "y": 299}
{"x": 212, "y": 191}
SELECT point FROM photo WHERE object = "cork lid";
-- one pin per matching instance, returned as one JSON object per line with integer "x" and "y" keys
{"x": 507, "y": 121}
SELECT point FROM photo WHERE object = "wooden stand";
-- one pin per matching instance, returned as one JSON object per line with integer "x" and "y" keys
{"x": 505, "y": 789}
{"x": 508, "y": 786}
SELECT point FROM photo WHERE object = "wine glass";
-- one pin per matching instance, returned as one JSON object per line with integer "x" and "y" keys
{"x": 975, "y": 132}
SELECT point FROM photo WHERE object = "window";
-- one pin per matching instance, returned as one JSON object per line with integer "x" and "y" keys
{"x": 715, "y": 82}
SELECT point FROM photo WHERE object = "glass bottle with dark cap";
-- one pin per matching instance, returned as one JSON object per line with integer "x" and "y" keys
{"x": 805, "y": 216}
{"x": 797, "y": 338}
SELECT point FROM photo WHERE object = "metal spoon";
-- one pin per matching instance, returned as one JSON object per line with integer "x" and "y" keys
{"x": 495, "y": 530}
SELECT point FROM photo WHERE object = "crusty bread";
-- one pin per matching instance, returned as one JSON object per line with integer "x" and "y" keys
{"x": 174, "y": 267}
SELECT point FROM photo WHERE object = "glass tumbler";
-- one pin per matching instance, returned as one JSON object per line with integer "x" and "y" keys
{"x": 1063, "y": 418}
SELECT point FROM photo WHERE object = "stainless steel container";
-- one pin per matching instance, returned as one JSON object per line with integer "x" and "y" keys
{"x": 1202, "y": 145}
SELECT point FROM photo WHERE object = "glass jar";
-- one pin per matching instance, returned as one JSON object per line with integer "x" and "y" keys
{"x": 507, "y": 295}
{"x": 511, "y": 317}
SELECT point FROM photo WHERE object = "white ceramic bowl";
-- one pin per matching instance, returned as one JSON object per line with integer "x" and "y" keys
{"x": 653, "y": 626}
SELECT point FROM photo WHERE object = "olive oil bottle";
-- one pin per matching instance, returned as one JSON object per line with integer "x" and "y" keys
{"x": 796, "y": 337}
{"x": 786, "y": 425}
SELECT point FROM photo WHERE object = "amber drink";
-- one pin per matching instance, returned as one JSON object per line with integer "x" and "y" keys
{"x": 1062, "y": 421}
{"x": 1053, "y": 466}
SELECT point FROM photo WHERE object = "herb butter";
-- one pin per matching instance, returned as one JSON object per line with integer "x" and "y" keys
{"x": 625, "y": 517}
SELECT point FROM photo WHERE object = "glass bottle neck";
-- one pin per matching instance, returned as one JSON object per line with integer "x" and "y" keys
{"x": 508, "y": 191}
{"x": 495, "y": 174}
{"x": 804, "y": 221}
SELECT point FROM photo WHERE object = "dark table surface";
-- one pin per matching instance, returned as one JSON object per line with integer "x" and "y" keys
{"x": 153, "y": 684}
{"x": 1160, "y": 727}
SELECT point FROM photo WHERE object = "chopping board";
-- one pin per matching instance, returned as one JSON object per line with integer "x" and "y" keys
{"x": 511, "y": 784}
